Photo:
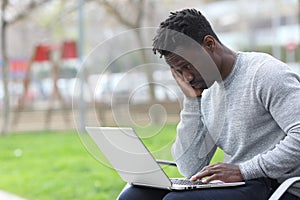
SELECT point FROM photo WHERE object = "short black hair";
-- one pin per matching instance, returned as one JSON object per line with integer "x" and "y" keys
{"x": 189, "y": 22}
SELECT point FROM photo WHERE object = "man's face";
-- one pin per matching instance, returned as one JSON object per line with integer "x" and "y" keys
{"x": 186, "y": 70}
{"x": 195, "y": 66}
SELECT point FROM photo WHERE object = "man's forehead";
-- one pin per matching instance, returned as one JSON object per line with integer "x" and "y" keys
{"x": 184, "y": 54}
{"x": 173, "y": 59}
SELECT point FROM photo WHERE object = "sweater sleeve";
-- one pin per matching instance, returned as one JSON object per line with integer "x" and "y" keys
{"x": 279, "y": 92}
{"x": 193, "y": 148}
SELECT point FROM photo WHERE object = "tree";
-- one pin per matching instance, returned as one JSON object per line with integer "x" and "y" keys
{"x": 114, "y": 8}
{"x": 5, "y": 22}
{"x": 5, "y": 69}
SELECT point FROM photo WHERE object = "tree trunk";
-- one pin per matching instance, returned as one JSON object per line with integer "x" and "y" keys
{"x": 140, "y": 10}
{"x": 148, "y": 69}
{"x": 5, "y": 72}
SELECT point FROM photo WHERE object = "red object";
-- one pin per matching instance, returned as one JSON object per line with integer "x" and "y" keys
{"x": 69, "y": 50}
{"x": 19, "y": 65}
{"x": 41, "y": 53}
{"x": 291, "y": 46}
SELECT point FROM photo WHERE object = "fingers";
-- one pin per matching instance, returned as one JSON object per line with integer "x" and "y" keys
{"x": 219, "y": 171}
{"x": 211, "y": 178}
{"x": 186, "y": 87}
{"x": 176, "y": 76}
{"x": 207, "y": 171}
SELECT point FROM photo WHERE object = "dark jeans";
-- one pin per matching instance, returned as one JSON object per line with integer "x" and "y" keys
{"x": 258, "y": 189}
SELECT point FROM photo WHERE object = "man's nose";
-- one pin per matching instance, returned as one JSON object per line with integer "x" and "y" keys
{"x": 187, "y": 76}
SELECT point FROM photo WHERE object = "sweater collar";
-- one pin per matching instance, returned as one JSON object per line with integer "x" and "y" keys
{"x": 232, "y": 74}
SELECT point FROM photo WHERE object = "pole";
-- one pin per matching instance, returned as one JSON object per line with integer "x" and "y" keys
{"x": 82, "y": 108}
{"x": 298, "y": 23}
{"x": 276, "y": 46}
{"x": 5, "y": 71}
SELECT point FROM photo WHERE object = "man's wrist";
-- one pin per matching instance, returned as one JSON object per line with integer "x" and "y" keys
{"x": 249, "y": 170}
{"x": 192, "y": 104}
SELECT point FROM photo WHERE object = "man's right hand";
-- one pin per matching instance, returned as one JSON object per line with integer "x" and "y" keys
{"x": 185, "y": 87}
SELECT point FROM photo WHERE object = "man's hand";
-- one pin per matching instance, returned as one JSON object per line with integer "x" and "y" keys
{"x": 186, "y": 88}
{"x": 219, "y": 171}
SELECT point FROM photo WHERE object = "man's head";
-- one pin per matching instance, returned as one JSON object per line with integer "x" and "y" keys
{"x": 189, "y": 22}
{"x": 186, "y": 39}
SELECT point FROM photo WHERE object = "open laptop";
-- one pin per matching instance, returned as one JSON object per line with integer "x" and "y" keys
{"x": 135, "y": 164}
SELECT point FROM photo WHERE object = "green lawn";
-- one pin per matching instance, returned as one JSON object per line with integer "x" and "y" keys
{"x": 55, "y": 165}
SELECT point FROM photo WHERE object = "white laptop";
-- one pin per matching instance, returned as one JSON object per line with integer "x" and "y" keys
{"x": 135, "y": 164}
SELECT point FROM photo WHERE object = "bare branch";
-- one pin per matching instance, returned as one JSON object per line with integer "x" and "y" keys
{"x": 74, "y": 8}
{"x": 27, "y": 11}
{"x": 117, "y": 14}
{"x": 140, "y": 13}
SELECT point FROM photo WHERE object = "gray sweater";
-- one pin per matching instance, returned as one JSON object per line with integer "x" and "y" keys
{"x": 253, "y": 115}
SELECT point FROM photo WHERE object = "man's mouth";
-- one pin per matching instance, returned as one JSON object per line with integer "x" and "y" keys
{"x": 199, "y": 85}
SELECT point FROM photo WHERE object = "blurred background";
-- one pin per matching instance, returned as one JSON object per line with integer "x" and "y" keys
{"x": 67, "y": 64}
{"x": 45, "y": 44}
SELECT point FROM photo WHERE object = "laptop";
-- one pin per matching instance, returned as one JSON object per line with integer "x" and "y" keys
{"x": 136, "y": 165}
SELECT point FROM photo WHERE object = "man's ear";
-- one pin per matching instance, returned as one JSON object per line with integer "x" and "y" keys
{"x": 209, "y": 43}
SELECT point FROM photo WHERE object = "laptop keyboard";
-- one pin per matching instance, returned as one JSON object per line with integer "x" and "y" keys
{"x": 185, "y": 182}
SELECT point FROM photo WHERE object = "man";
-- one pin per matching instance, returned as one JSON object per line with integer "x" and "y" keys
{"x": 250, "y": 109}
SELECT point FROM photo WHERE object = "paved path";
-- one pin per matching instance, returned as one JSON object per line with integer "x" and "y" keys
{"x": 8, "y": 196}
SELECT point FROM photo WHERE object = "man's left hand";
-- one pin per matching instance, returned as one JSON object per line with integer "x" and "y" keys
{"x": 219, "y": 171}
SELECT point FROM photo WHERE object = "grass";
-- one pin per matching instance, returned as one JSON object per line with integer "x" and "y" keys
{"x": 55, "y": 165}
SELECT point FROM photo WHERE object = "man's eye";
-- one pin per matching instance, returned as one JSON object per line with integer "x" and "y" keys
{"x": 187, "y": 67}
